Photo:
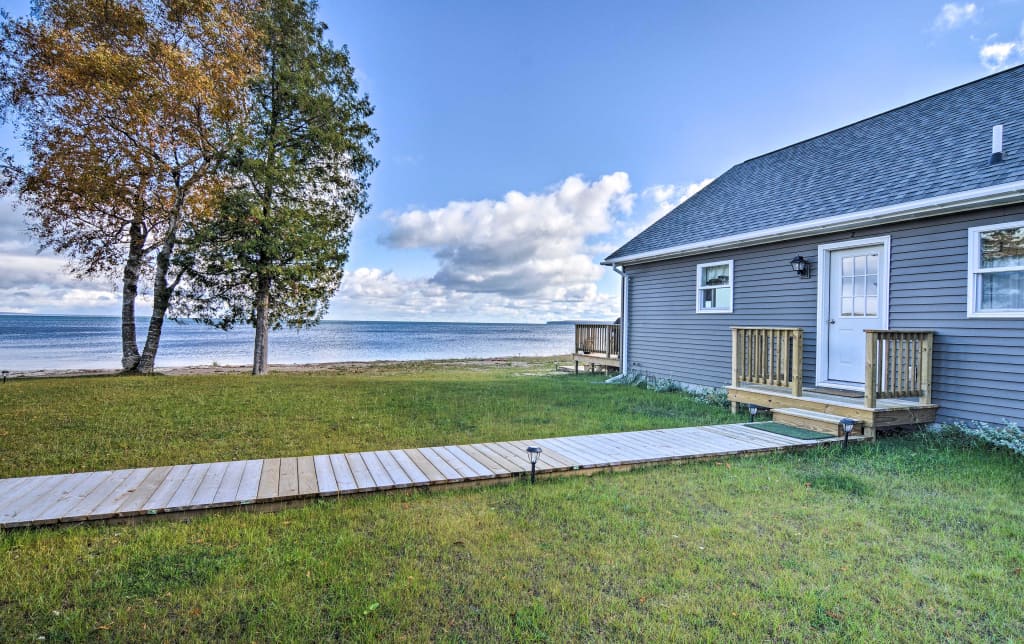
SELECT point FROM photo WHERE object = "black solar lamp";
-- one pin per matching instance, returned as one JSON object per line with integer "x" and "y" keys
{"x": 4, "y": 373}
{"x": 847, "y": 425}
{"x": 753, "y": 412}
{"x": 799, "y": 266}
{"x": 533, "y": 453}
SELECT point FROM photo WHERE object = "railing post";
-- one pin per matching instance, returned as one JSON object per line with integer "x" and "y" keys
{"x": 870, "y": 361}
{"x": 735, "y": 364}
{"x": 797, "y": 386}
{"x": 926, "y": 368}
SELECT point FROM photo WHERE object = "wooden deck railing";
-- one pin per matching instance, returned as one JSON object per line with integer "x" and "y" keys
{"x": 768, "y": 356}
{"x": 898, "y": 365}
{"x": 601, "y": 339}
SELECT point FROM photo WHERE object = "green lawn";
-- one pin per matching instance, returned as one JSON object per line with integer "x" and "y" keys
{"x": 904, "y": 539}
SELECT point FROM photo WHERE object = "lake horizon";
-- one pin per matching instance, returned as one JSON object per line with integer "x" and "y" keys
{"x": 34, "y": 342}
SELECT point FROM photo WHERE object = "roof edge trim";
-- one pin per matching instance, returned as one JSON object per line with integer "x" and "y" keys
{"x": 997, "y": 195}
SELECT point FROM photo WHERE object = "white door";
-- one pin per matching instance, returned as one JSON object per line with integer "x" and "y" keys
{"x": 853, "y": 305}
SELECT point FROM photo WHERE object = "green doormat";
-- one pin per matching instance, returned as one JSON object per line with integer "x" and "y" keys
{"x": 786, "y": 430}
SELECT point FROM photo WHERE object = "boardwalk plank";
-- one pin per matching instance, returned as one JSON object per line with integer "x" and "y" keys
{"x": 72, "y": 489}
{"x": 307, "y": 476}
{"x": 343, "y": 474}
{"x": 162, "y": 496}
{"x": 108, "y": 507}
{"x": 288, "y": 486}
{"x": 227, "y": 491}
{"x": 182, "y": 498}
{"x": 326, "y": 484}
{"x": 249, "y": 486}
{"x": 377, "y": 471}
{"x": 34, "y": 491}
{"x": 359, "y": 472}
{"x": 81, "y": 511}
{"x": 207, "y": 490}
{"x": 393, "y": 469}
{"x": 479, "y": 469}
{"x": 133, "y": 502}
{"x": 270, "y": 479}
{"x": 485, "y": 459}
{"x": 442, "y": 466}
{"x": 424, "y": 464}
{"x": 506, "y": 464}
{"x": 462, "y": 470}
{"x": 414, "y": 473}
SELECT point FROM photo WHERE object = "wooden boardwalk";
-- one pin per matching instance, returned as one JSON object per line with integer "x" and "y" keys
{"x": 184, "y": 490}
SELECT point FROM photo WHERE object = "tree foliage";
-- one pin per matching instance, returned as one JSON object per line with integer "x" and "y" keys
{"x": 275, "y": 252}
{"x": 127, "y": 108}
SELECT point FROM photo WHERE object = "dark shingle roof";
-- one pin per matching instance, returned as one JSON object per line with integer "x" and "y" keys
{"x": 932, "y": 147}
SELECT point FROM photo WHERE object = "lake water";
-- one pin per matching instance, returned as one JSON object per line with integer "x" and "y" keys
{"x": 31, "y": 342}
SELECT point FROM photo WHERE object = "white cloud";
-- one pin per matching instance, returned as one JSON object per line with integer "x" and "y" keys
{"x": 953, "y": 15}
{"x": 664, "y": 198}
{"x": 527, "y": 257}
{"x": 996, "y": 55}
{"x": 520, "y": 246}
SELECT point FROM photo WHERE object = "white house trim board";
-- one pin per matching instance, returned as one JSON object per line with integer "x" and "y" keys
{"x": 973, "y": 255}
{"x": 998, "y": 195}
{"x": 824, "y": 282}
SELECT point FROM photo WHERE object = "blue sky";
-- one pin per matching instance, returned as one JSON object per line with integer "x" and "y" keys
{"x": 522, "y": 142}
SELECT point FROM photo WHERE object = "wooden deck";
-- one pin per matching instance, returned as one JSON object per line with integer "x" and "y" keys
{"x": 182, "y": 491}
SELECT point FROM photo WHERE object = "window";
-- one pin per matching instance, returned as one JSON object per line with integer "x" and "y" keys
{"x": 714, "y": 287}
{"x": 860, "y": 285}
{"x": 995, "y": 281}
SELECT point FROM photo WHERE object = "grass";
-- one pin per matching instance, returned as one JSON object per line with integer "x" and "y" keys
{"x": 904, "y": 539}
{"x": 55, "y": 425}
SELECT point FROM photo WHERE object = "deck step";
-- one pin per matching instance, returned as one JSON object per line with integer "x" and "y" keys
{"x": 814, "y": 421}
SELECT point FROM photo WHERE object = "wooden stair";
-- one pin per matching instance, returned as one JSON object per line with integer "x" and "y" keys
{"x": 814, "y": 421}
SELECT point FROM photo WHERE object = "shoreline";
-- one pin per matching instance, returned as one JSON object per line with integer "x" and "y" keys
{"x": 351, "y": 366}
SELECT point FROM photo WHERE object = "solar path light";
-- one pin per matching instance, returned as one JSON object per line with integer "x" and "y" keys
{"x": 533, "y": 453}
{"x": 847, "y": 425}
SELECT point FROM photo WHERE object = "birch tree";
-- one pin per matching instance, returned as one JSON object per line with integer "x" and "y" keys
{"x": 126, "y": 109}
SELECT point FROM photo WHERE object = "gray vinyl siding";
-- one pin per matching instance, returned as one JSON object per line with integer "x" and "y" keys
{"x": 978, "y": 363}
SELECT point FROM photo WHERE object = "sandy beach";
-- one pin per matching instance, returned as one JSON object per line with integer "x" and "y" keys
{"x": 313, "y": 367}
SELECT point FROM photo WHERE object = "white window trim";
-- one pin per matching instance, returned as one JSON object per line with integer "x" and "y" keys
{"x": 732, "y": 286}
{"x": 824, "y": 283}
{"x": 974, "y": 270}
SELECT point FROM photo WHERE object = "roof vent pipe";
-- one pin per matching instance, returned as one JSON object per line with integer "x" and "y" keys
{"x": 997, "y": 144}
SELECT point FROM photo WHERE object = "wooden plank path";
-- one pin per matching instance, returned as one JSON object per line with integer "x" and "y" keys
{"x": 183, "y": 490}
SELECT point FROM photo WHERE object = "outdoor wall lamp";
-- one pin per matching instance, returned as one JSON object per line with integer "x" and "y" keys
{"x": 800, "y": 266}
{"x": 533, "y": 453}
{"x": 847, "y": 425}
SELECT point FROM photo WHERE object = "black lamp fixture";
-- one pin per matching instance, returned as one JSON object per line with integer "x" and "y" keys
{"x": 753, "y": 412}
{"x": 533, "y": 453}
{"x": 800, "y": 266}
{"x": 847, "y": 425}
{"x": 4, "y": 373}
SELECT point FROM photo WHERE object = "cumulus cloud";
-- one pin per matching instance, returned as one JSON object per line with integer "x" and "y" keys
{"x": 521, "y": 245}
{"x": 525, "y": 257}
{"x": 996, "y": 55}
{"x": 661, "y": 199}
{"x": 953, "y": 15}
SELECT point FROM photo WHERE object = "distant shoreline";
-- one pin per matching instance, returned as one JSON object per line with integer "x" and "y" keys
{"x": 311, "y": 367}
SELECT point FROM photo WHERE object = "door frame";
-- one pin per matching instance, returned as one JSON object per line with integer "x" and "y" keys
{"x": 824, "y": 299}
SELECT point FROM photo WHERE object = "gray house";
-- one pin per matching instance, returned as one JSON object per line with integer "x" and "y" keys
{"x": 874, "y": 272}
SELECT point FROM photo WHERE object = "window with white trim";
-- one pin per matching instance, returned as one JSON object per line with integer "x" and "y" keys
{"x": 714, "y": 287}
{"x": 996, "y": 271}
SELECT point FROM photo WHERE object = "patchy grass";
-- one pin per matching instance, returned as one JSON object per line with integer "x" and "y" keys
{"x": 904, "y": 539}
{"x": 54, "y": 425}
{"x": 907, "y": 538}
